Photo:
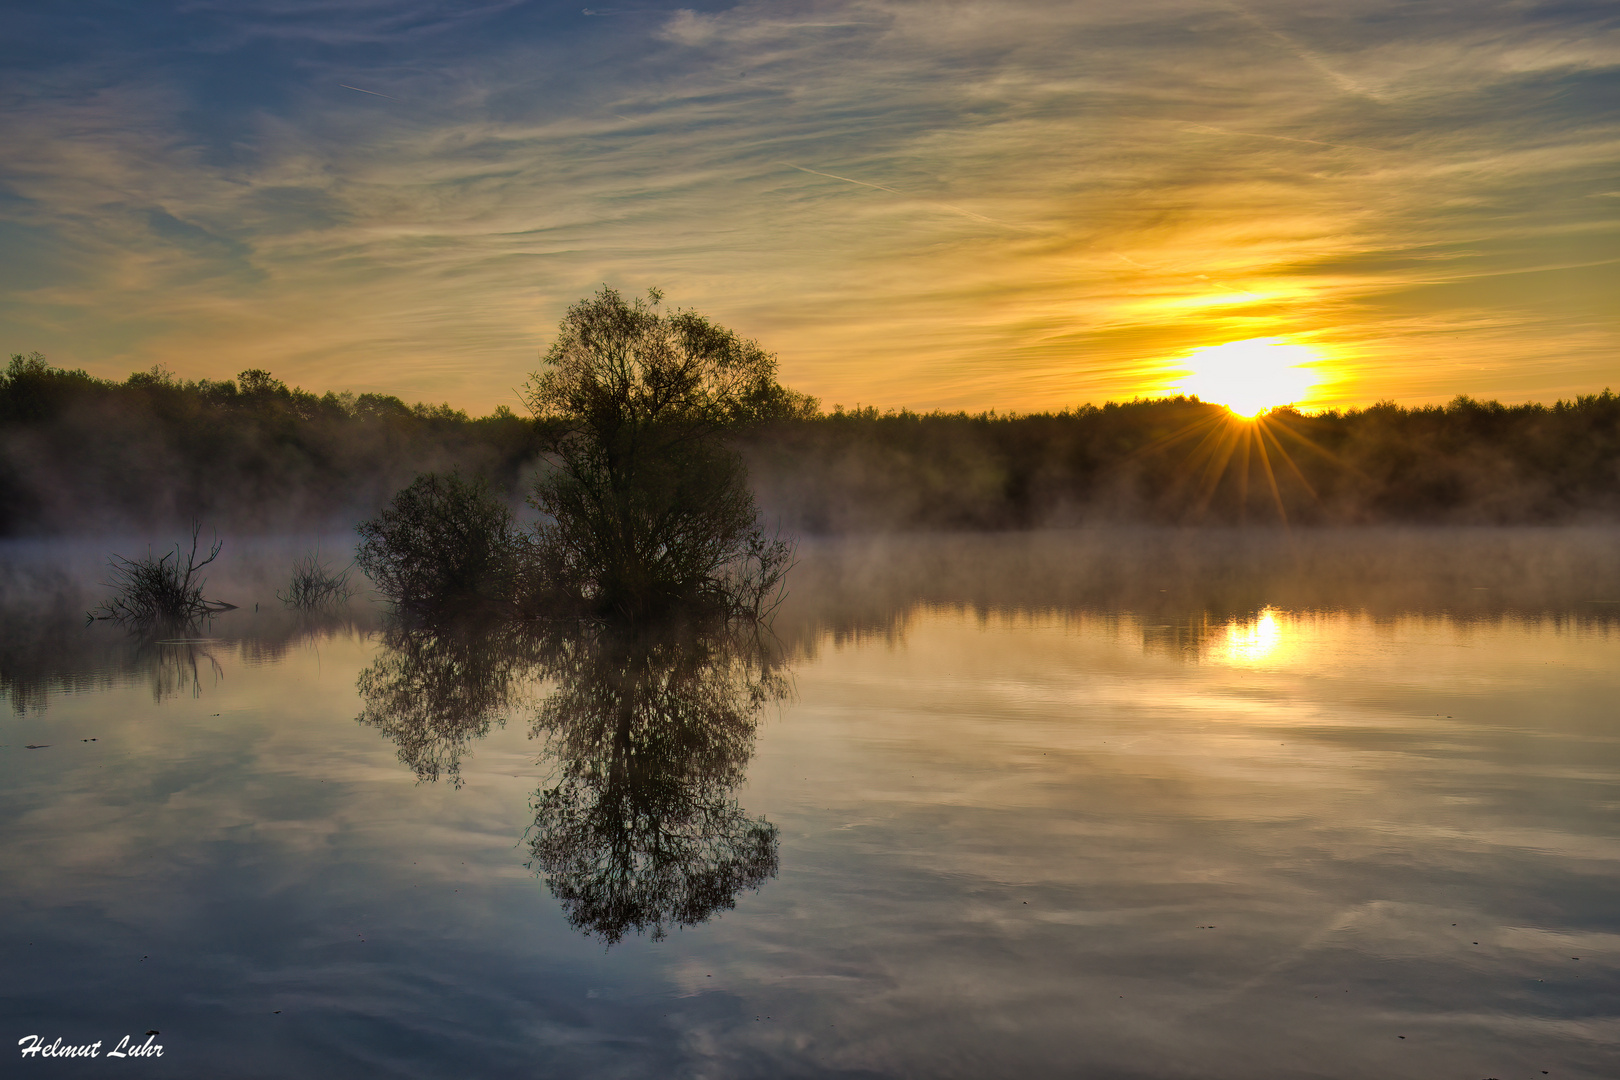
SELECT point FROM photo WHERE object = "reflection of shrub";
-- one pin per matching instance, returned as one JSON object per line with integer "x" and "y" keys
{"x": 443, "y": 542}
{"x": 153, "y": 592}
{"x": 314, "y": 585}
{"x": 435, "y": 689}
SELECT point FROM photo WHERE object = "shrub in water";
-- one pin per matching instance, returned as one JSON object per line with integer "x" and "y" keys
{"x": 314, "y": 585}
{"x": 160, "y": 592}
{"x": 443, "y": 543}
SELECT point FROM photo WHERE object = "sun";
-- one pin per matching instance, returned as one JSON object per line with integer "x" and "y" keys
{"x": 1251, "y": 376}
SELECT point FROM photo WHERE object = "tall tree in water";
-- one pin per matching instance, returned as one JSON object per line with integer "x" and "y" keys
{"x": 648, "y": 505}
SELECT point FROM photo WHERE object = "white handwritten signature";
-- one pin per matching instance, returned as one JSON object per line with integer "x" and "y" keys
{"x": 35, "y": 1045}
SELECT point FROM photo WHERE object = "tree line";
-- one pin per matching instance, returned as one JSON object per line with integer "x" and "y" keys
{"x": 1180, "y": 461}
{"x": 80, "y": 453}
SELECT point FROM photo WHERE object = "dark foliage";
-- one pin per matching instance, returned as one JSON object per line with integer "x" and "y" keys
{"x": 1181, "y": 461}
{"x": 443, "y": 545}
{"x": 160, "y": 592}
{"x": 79, "y": 452}
{"x": 648, "y": 508}
{"x": 249, "y": 454}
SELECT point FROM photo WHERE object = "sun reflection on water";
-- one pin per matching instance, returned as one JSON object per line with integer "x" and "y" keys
{"x": 1254, "y": 640}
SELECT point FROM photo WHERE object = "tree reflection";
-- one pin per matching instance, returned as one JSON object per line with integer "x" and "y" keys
{"x": 652, "y": 730}
{"x": 175, "y": 666}
{"x": 47, "y": 649}
{"x": 433, "y": 689}
{"x": 43, "y": 655}
{"x": 649, "y": 730}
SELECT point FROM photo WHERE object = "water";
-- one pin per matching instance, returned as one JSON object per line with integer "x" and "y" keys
{"x": 1102, "y": 805}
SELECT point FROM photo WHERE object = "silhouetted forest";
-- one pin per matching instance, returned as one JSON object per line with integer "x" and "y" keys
{"x": 81, "y": 454}
{"x": 1182, "y": 461}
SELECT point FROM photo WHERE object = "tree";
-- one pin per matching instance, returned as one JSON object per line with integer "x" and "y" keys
{"x": 648, "y": 505}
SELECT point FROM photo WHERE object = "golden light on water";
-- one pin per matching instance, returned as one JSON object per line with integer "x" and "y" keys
{"x": 1251, "y": 376}
{"x": 1248, "y": 642}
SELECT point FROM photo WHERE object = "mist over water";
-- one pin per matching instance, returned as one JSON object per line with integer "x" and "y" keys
{"x": 1118, "y": 803}
{"x": 1170, "y": 581}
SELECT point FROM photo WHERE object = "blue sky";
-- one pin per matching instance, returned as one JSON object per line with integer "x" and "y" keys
{"x": 964, "y": 205}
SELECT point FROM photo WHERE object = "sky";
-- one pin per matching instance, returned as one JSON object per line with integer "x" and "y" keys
{"x": 1014, "y": 205}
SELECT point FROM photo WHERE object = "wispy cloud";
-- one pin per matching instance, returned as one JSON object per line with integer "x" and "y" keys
{"x": 961, "y": 204}
{"x": 1308, "y": 56}
{"x": 373, "y": 93}
{"x": 947, "y": 207}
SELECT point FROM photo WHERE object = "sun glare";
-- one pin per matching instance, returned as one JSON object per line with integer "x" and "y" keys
{"x": 1250, "y": 642}
{"x": 1249, "y": 377}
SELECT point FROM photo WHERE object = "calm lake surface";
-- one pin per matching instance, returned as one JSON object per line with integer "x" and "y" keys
{"x": 1169, "y": 805}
